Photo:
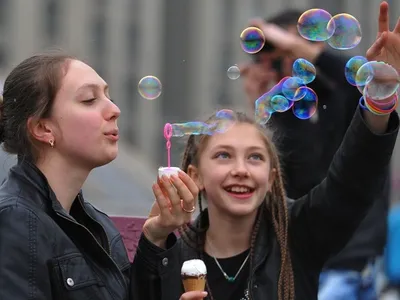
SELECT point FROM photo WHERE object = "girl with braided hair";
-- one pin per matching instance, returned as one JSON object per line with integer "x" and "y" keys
{"x": 255, "y": 242}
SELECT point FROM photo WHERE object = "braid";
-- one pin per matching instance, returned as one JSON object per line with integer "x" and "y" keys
{"x": 280, "y": 220}
{"x": 188, "y": 155}
{"x": 254, "y": 235}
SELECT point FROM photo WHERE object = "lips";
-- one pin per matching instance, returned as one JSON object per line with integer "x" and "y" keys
{"x": 114, "y": 132}
{"x": 112, "y": 135}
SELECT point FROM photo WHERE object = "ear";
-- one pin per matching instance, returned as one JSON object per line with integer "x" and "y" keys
{"x": 271, "y": 179}
{"x": 40, "y": 130}
{"x": 193, "y": 173}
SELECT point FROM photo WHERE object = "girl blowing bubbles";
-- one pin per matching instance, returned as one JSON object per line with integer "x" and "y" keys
{"x": 255, "y": 242}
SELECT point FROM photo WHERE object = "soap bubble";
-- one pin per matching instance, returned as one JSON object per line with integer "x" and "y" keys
{"x": 233, "y": 72}
{"x": 150, "y": 87}
{"x": 347, "y": 34}
{"x": 314, "y": 25}
{"x": 252, "y": 40}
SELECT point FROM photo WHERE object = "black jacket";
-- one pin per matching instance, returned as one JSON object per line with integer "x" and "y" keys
{"x": 307, "y": 149}
{"x": 321, "y": 222}
{"x": 47, "y": 254}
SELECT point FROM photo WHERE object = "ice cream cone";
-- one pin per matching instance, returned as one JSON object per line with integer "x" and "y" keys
{"x": 194, "y": 273}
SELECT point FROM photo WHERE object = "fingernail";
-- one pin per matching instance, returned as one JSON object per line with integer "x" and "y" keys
{"x": 204, "y": 294}
{"x": 174, "y": 177}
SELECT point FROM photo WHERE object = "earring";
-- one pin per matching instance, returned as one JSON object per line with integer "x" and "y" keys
{"x": 51, "y": 142}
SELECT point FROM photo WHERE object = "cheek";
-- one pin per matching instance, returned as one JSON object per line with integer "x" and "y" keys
{"x": 81, "y": 127}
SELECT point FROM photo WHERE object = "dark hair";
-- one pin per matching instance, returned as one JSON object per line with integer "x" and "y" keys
{"x": 29, "y": 91}
{"x": 275, "y": 206}
{"x": 285, "y": 18}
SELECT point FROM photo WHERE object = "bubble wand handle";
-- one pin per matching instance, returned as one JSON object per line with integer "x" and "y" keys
{"x": 168, "y": 135}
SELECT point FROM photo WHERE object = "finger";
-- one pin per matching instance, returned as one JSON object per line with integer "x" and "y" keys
{"x": 191, "y": 185}
{"x": 155, "y": 210}
{"x": 397, "y": 27}
{"x": 383, "y": 20}
{"x": 195, "y": 295}
{"x": 187, "y": 196}
{"x": 163, "y": 203}
{"x": 376, "y": 47}
{"x": 173, "y": 195}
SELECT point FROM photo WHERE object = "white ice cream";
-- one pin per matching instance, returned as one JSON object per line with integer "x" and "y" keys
{"x": 168, "y": 171}
{"x": 194, "y": 267}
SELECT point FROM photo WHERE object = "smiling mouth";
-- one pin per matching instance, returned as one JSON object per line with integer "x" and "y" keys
{"x": 239, "y": 190}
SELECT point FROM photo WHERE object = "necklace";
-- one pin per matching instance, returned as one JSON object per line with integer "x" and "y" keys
{"x": 230, "y": 278}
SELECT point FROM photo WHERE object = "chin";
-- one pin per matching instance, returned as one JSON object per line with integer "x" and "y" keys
{"x": 107, "y": 158}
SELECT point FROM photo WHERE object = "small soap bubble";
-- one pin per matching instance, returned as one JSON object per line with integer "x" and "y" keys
{"x": 304, "y": 70}
{"x": 263, "y": 105}
{"x": 347, "y": 32}
{"x": 280, "y": 104}
{"x": 307, "y": 106}
{"x": 224, "y": 120}
{"x": 263, "y": 111}
{"x": 233, "y": 72}
{"x": 196, "y": 128}
{"x": 252, "y": 40}
{"x": 314, "y": 25}
{"x": 291, "y": 89}
{"x": 352, "y": 67}
{"x": 150, "y": 87}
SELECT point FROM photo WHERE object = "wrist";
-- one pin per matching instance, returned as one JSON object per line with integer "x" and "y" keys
{"x": 157, "y": 240}
{"x": 379, "y": 108}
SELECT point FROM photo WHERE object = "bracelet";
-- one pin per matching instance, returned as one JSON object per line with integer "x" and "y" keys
{"x": 377, "y": 108}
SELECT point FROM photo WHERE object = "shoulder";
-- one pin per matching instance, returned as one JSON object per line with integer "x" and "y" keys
{"x": 21, "y": 222}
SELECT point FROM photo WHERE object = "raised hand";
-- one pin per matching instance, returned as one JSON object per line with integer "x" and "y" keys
{"x": 174, "y": 206}
{"x": 386, "y": 47}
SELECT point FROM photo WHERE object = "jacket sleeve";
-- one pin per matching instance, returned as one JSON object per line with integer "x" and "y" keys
{"x": 323, "y": 221}
{"x": 153, "y": 270}
{"x": 24, "y": 249}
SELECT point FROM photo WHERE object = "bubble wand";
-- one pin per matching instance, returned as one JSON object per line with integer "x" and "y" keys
{"x": 168, "y": 135}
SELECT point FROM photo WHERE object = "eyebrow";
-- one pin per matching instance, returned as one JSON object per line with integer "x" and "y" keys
{"x": 92, "y": 86}
{"x": 229, "y": 147}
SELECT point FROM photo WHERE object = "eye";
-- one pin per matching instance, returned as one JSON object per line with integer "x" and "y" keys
{"x": 222, "y": 155}
{"x": 89, "y": 101}
{"x": 256, "y": 156}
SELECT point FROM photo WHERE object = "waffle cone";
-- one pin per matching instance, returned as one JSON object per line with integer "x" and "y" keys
{"x": 194, "y": 283}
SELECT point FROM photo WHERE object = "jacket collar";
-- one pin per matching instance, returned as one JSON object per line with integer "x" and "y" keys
{"x": 33, "y": 185}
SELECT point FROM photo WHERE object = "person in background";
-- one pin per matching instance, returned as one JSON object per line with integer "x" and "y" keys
{"x": 308, "y": 146}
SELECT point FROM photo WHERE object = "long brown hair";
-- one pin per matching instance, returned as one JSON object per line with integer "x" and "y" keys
{"x": 275, "y": 204}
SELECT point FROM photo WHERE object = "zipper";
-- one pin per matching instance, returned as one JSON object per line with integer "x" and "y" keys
{"x": 108, "y": 250}
{"x": 250, "y": 286}
{"x": 102, "y": 248}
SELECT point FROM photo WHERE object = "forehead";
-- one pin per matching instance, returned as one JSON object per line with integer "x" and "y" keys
{"x": 79, "y": 74}
{"x": 239, "y": 136}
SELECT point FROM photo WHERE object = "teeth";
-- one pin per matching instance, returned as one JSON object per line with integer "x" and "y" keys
{"x": 239, "y": 189}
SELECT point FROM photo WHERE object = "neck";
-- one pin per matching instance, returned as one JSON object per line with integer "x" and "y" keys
{"x": 228, "y": 236}
{"x": 64, "y": 178}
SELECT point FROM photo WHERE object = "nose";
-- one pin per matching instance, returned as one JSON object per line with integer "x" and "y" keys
{"x": 240, "y": 169}
{"x": 113, "y": 111}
